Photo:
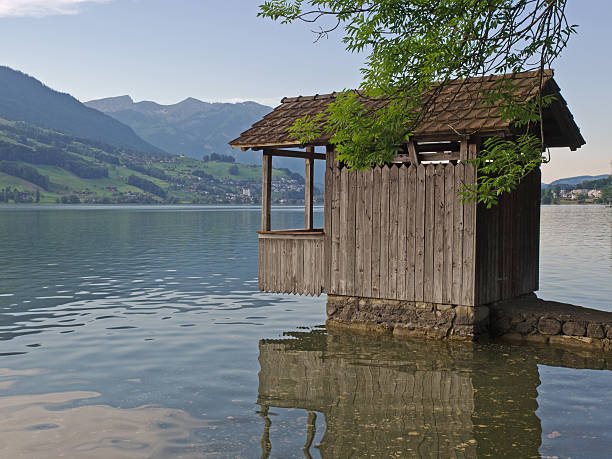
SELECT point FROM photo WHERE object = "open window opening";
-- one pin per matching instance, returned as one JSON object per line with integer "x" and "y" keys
{"x": 312, "y": 158}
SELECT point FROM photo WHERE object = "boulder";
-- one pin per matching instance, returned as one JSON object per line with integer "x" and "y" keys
{"x": 526, "y": 327}
{"x": 573, "y": 328}
{"x": 595, "y": 331}
{"x": 549, "y": 326}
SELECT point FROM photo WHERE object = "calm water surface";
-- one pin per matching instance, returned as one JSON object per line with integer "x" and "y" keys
{"x": 139, "y": 332}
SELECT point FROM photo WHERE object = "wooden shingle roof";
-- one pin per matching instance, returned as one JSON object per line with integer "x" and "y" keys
{"x": 458, "y": 109}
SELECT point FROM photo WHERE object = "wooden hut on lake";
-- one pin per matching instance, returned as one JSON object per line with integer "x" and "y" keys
{"x": 398, "y": 248}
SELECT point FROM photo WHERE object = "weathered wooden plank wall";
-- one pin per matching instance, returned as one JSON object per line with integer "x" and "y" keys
{"x": 508, "y": 237}
{"x": 292, "y": 264}
{"x": 402, "y": 233}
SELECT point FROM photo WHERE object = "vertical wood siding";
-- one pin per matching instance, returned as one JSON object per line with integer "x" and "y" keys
{"x": 292, "y": 264}
{"x": 402, "y": 234}
{"x": 508, "y": 237}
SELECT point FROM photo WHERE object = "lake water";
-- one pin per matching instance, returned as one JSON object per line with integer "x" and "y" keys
{"x": 139, "y": 332}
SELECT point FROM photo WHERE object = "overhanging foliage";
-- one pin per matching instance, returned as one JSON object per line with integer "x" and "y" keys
{"x": 414, "y": 48}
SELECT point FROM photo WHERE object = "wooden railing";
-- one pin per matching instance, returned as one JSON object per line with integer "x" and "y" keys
{"x": 292, "y": 261}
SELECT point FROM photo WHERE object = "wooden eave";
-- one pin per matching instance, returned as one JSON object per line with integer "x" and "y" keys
{"x": 567, "y": 132}
{"x": 454, "y": 118}
{"x": 262, "y": 146}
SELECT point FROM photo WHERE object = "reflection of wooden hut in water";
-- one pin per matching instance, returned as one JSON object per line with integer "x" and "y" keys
{"x": 399, "y": 233}
{"x": 377, "y": 396}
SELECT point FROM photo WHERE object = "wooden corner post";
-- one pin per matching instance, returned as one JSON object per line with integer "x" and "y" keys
{"x": 266, "y": 191}
{"x": 414, "y": 157}
{"x": 330, "y": 158}
{"x": 309, "y": 189}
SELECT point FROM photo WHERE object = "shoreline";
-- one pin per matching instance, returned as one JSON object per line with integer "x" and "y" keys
{"x": 88, "y": 206}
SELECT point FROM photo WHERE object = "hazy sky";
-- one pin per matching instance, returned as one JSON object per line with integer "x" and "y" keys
{"x": 218, "y": 50}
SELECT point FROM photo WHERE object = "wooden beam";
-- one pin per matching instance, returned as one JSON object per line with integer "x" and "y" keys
{"x": 454, "y": 137}
{"x": 327, "y": 216}
{"x": 266, "y": 192}
{"x": 292, "y": 236}
{"x": 437, "y": 147}
{"x": 567, "y": 126}
{"x": 439, "y": 156}
{"x": 294, "y": 154}
{"x": 463, "y": 150}
{"x": 290, "y": 144}
{"x": 294, "y": 231}
{"x": 474, "y": 148}
{"x": 414, "y": 158}
{"x": 402, "y": 159}
{"x": 309, "y": 189}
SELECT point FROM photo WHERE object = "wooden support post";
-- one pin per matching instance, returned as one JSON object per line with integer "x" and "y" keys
{"x": 266, "y": 192}
{"x": 414, "y": 158}
{"x": 327, "y": 224}
{"x": 463, "y": 150}
{"x": 309, "y": 188}
{"x": 473, "y": 149}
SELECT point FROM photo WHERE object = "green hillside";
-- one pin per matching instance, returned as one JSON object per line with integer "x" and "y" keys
{"x": 41, "y": 165}
{"x": 24, "y": 98}
{"x": 193, "y": 127}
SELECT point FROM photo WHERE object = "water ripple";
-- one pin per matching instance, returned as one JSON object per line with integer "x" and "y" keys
{"x": 154, "y": 313}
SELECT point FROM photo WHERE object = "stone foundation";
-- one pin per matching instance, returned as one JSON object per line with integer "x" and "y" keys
{"x": 529, "y": 318}
{"x": 522, "y": 319}
{"x": 408, "y": 318}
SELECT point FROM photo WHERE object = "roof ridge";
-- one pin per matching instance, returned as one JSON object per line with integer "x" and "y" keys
{"x": 301, "y": 98}
{"x": 550, "y": 73}
{"x": 464, "y": 112}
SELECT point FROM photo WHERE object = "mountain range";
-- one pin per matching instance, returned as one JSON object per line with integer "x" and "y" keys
{"x": 53, "y": 148}
{"x": 191, "y": 127}
{"x": 24, "y": 98}
{"x": 195, "y": 128}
